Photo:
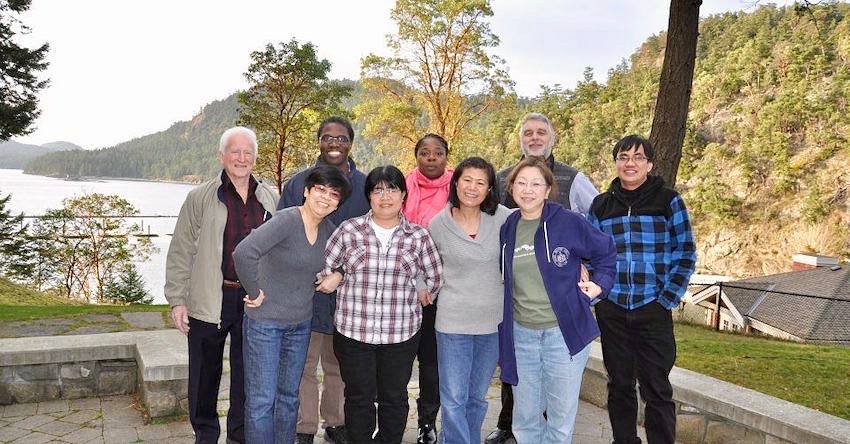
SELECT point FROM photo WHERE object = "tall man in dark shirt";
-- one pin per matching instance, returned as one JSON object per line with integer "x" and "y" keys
{"x": 575, "y": 192}
{"x": 334, "y": 136}
{"x": 201, "y": 285}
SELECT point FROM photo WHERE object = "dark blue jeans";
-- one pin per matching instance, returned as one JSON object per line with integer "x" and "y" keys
{"x": 274, "y": 360}
{"x": 639, "y": 345}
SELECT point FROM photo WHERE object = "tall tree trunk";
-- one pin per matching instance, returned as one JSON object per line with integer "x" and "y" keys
{"x": 674, "y": 90}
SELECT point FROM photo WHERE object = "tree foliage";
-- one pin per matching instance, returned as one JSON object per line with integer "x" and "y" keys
{"x": 16, "y": 256}
{"x": 84, "y": 247}
{"x": 127, "y": 288}
{"x": 19, "y": 67}
{"x": 289, "y": 95}
{"x": 440, "y": 76}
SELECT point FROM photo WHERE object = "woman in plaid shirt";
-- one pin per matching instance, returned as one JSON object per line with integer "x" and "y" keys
{"x": 379, "y": 314}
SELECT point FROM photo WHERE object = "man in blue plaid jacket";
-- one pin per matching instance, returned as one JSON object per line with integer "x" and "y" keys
{"x": 655, "y": 259}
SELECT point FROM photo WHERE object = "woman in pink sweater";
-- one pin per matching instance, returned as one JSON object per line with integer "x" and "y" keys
{"x": 427, "y": 195}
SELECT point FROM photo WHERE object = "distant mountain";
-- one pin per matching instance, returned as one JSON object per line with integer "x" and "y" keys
{"x": 17, "y": 155}
{"x": 184, "y": 151}
{"x": 62, "y": 146}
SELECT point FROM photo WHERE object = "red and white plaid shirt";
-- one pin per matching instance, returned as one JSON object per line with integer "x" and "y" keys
{"x": 376, "y": 302}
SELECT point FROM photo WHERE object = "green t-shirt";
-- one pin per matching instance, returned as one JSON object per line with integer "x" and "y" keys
{"x": 531, "y": 303}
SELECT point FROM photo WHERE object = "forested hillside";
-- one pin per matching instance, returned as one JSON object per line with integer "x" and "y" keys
{"x": 185, "y": 151}
{"x": 765, "y": 160}
{"x": 16, "y": 155}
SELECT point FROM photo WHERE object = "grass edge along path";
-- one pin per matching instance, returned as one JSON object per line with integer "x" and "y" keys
{"x": 812, "y": 375}
{"x": 20, "y": 303}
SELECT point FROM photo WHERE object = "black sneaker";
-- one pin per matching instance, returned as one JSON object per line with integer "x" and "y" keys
{"x": 337, "y": 435}
{"x": 500, "y": 436}
{"x": 304, "y": 438}
{"x": 427, "y": 434}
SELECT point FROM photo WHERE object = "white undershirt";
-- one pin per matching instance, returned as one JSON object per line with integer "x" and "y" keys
{"x": 384, "y": 235}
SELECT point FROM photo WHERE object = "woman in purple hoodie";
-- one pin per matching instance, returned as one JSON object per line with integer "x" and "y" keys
{"x": 544, "y": 339}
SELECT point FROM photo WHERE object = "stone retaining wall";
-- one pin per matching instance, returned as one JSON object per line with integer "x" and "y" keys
{"x": 44, "y": 382}
{"x": 154, "y": 363}
{"x": 713, "y": 411}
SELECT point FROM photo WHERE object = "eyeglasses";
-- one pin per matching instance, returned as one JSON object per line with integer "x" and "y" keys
{"x": 342, "y": 140}
{"x": 328, "y": 192}
{"x": 636, "y": 159}
{"x": 381, "y": 191}
{"x": 536, "y": 186}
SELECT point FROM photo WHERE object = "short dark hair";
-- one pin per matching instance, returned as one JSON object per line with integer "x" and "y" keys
{"x": 387, "y": 174}
{"x": 331, "y": 177}
{"x": 422, "y": 140}
{"x": 634, "y": 141}
{"x": 491, "y": 201}
{"x": 338, "y": 120}
{"x": 539, "y": 163}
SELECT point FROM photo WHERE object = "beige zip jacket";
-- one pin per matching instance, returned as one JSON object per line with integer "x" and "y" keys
{"x": 193, "y": 265}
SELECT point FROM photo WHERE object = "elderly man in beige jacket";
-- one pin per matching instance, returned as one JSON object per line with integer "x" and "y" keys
{"x": 201, "y": 285}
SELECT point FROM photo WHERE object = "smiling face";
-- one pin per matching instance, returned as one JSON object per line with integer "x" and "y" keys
{"x": 238, "y": 157}
{"x": 321, "y": 200}
{"x": 529, "y": 190}
{"x": 633, "y": 167}
{"x": 472, "y": 187}
{"x": 431, "y": 158}
{"x": 536, "y": 138}
{"x": 334, "y": 144}
{"x": 385, "y": 201}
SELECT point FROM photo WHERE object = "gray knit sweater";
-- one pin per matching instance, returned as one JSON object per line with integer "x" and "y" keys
{"x": 470, "y": 301}
{"x": 277, "y": 258}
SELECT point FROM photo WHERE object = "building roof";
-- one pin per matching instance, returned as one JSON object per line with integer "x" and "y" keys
{"x": 782, "y": 301}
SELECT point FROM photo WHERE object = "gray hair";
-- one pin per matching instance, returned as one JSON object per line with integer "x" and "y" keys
{"x": 540, "y": 118}
{"x": 247, "y": 132}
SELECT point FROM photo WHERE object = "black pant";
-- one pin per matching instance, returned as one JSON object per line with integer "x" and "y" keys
{"x": 206, "y": 351}
{"x": 428, "y": 403}
{"x": 506, "y": 416}
{"x": 375, "y": 372}
{"x": 639, "y": 344}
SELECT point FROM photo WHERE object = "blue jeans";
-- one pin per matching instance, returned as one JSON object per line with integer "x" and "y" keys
{"x": 467, "y": 363}
{"x": 274, "y": 360}
{"x": 549, "y": 380}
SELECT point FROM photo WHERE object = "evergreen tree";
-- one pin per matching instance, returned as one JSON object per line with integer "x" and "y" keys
{"x": 127, "y": 288}
{"x": 16, "y": 256}
{"x": 18, "y": 68}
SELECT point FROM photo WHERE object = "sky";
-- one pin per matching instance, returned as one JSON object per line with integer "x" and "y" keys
{"x": 123, "y": 69}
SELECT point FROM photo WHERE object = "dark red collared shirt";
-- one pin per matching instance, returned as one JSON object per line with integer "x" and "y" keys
{"x": 242, "y": 217}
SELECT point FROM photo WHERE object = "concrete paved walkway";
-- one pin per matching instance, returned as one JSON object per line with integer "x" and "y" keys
{"x": 118, "y": 419}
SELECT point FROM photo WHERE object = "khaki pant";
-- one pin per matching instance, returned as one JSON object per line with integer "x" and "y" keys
{"x": 320, "y": 349}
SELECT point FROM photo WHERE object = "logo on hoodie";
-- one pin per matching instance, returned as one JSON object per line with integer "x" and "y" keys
{"x": 560, "y": 255}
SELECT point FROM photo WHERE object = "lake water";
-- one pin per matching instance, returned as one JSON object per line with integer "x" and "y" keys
{"x": 33, "y": 195}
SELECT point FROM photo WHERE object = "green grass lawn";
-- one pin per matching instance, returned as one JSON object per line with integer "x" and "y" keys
{"x": 19, "y": 303}
{"x": 815, "y": 376}
{"x": 29, "y": 312}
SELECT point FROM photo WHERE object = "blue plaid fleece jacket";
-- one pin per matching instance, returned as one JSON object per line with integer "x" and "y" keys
{"x": 656, "y": 254}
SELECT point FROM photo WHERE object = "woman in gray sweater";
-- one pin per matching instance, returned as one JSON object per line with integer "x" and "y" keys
{"x": 467, "y": 236}
{"x": 277, "y": 265}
